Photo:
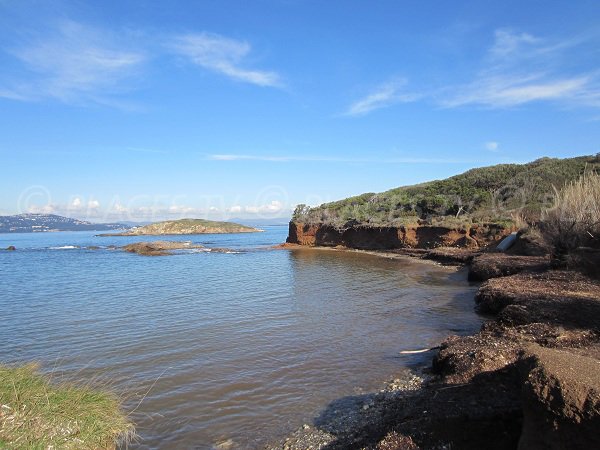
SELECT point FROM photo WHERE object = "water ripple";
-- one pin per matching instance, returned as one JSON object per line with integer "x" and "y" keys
{"x": 243, "y": 346}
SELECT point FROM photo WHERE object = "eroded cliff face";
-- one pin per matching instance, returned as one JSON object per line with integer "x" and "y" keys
{"x": 418, "y": 236}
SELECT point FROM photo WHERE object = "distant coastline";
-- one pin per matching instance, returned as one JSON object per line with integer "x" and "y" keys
{"x": 45, "y": 223}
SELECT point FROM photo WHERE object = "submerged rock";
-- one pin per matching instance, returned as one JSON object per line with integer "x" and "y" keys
{"x": 159, "y": 248}
{"x": 11, "y": 248}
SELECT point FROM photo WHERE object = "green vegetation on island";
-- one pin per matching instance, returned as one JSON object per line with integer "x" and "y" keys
{"x": 38, "y": 414}
{"x": 499, "y": 193}
{"x": 187, "y": 226}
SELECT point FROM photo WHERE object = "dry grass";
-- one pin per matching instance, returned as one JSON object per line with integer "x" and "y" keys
{"x": 574, "y": 220}
{"x": 519, "y": 220}
{"x": 37, "y": 414}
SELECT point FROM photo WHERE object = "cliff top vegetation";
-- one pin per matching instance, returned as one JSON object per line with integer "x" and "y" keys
{"x": 500, "y": 193}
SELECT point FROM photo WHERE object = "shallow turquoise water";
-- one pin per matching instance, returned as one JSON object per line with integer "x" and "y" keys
{"x": 241, "y": 346}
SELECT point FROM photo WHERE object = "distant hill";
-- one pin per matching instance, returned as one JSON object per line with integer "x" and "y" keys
{"x": 187, "y": 226}
{"x": 492, "y": 193}
{"x": 34, "y": 223}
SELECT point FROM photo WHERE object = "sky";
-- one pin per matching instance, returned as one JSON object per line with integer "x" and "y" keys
{"x": 145, "y": 110}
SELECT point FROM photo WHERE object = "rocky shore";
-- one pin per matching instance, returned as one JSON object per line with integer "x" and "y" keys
{"x": 529, "y": 379}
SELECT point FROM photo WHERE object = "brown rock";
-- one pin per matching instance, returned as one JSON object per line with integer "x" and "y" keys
{"x": 561, "y": 400}
{"x": 451, "y": 255}
{"x": 395, "y": 441}
{"x": 556, "y": 297}
{"x": 158, "y": 248}
{"x": 493, "y": 265}
{"x": 530, "y": 242}
{"x": 393, "y": 237}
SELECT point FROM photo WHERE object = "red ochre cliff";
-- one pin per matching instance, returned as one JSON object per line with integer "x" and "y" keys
{"x": 391, "y": 237}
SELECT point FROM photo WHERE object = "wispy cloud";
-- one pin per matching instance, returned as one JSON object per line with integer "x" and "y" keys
{"x": 222, "y": 55}
{"x": 508, "y": 42}
{"x": 73, "y": 64}
{"x": 513, "y": 90}
{"x": 492, "y": 146}
{"x": 384, "y": 95}
{"x": 520, "y": 68}
{"x": 283, "y": 159}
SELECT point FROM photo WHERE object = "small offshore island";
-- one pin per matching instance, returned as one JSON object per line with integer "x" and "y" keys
{"x": 186, "y": 226}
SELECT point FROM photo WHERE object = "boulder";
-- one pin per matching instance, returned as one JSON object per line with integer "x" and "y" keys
{"x": 561, "y": 400}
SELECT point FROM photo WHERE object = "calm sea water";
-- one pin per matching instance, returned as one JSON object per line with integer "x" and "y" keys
{"x": 240, "y": 347}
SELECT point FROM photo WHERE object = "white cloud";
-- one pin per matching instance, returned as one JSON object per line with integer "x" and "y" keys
{"x": 118, "y": 208}
{"x": 42, "y": 209}
{"x": 507, "y": 42}
{"x": 181, "y": 209}
{"x": 383, "y": 96}
{"x": 271, "y": 208}
{"x": 73, "y": 64}
{"x": 492, "y": 146}
{"x": 521, "y": 68}
{"x": 508, "y": 91}
{"x": 222, "y": 55}
{"x": 235, "y": 209}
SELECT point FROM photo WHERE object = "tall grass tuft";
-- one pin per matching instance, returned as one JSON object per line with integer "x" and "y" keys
{"x": 574, "y": 220}
{"x": 38, "y": 414}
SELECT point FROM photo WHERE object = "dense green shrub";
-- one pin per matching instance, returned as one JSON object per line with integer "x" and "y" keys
{"x": 492, "y": 193}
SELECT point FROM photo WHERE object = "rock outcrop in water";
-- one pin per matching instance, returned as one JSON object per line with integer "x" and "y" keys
{"x": 158, "y": 248}
{"x": 162, "y": 248}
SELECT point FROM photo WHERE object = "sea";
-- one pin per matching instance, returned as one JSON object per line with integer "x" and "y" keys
{"x": 227, "y": 349}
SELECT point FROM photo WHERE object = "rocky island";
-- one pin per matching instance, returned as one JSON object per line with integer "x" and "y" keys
{"x": 186, "y": 226}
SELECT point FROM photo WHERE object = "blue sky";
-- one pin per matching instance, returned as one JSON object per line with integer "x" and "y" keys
{"x": 149, "y": 110}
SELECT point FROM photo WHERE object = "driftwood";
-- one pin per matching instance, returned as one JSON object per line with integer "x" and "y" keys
{"x": 423, "y": 350}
